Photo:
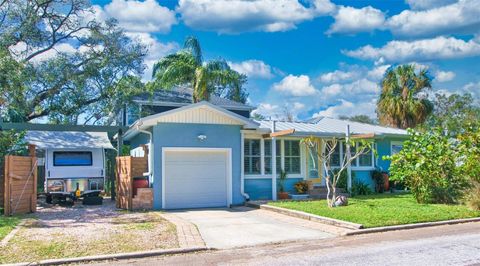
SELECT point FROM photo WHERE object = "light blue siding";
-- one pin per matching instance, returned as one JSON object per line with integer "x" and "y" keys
{"x": 138, "y": 140}
{"x": 185, "y": 135}
{"x": 364, "y": 176}
{"x": 261, "y": 189}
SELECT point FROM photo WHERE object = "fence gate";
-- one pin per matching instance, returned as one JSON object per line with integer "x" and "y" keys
{"x": 128, "y": 168}
{"x": 20, "y": 184}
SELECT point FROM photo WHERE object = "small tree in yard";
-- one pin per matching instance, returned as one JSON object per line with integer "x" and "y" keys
{"x": 326, "y": 154}
{"x": 428, "y": 164}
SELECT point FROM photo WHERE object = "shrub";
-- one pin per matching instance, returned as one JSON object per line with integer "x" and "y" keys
{"x": 428, "y": 165}
{"x": 377, "y": 176}
{"x": 342, "y": 181}
{"x": 472, "y": 196}
{"x": 360, "y": 188}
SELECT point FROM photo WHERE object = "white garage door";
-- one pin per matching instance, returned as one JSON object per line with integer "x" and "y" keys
{"x": 196, "y": 178}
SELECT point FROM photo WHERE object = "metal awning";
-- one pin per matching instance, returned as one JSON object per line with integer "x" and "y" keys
{"x": 68, "y": 139}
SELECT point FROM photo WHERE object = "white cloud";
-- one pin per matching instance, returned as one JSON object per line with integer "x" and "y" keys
{"x": 156, "y": 50}
{"x": 378, "y": 72}
{"x": 355, "y": 90}
{"x": 235, "y": 16}
{"x": 295, "y": 86}
{"x": 427, "y": 49}
{"x": 338, "y": 76}
{"x": 428, "y": 4}
{"x": 253, "y": 69}
{"x": 348, "y": 108}
{"x": 444, "y": 76}
{"x": 141, "y": 16}
{"x": 353, "y": 20}
{"x": 457, "y": 18}
{"x": 472, "y": 88}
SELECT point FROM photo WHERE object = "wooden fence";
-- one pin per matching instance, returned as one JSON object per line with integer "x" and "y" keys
{"x": 128, "y": 167}
{"x": 20, "y": 185}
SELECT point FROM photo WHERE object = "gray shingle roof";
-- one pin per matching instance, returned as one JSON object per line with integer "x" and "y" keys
{"x": 183, "y": 96}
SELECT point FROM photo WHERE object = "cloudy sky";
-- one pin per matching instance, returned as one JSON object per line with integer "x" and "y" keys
{"x": 315, "y": 57}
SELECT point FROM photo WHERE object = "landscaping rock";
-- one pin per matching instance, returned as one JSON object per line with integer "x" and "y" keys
{"x": 341, "y": 201}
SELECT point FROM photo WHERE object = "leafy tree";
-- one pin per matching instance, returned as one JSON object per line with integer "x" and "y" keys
{"x": 402, "y": 101}
{"x": 427, "y": 164}
{"x": 66, "y": 65}
{"x": 359, "y": 118}
{"x": 454, "y": 113}
{"x": 187, "y": 67}
{"x": 258, "y": 116}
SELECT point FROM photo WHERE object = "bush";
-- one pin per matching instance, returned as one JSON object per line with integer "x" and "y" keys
{"x": 472, "y": 197}
{"x": 428, "y": 165}
{"x": 342, "y": 181}
{"x": 360, "y": 188}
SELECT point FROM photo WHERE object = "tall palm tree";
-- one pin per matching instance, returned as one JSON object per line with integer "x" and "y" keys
{"x": 402, "y": 102}
{"x": 206, "y": 78}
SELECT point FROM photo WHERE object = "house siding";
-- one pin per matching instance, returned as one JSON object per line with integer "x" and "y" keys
{"x": 261, "y": 188}
{"x": 185, "y": 135}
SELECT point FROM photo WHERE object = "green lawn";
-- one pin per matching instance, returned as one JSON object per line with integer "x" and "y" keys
{"x": 7, "y": 224}
{"x": 382, "y": 210}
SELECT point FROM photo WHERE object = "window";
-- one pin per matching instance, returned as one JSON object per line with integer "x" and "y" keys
{"x": 366, "y": 160}
{"x": 292, "y": 156}
{"x": 396, "y": 147}
{"x": 313, "y": 170}
{"x": 72, "y": 158}
{"x": 335, "y": 156}
{"x": 252, "y": 156}
{"x": 268, "y": 156}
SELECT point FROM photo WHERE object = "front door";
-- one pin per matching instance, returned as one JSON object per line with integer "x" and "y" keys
{"x": 315, "y": 165}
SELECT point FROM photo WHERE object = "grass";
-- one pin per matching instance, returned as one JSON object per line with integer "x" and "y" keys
{"x": 7, "y": 224}
{"x": 128, "y": 232}
{"x": 382, "y": 210}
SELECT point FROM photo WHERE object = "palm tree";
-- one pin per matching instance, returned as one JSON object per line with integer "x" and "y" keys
{"x": 206, "y": 78}
{"x": 403, "y": 103}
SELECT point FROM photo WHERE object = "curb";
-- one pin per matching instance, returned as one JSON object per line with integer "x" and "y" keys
{"x": 12, "y": 233}
{"x": 409, "y": 226}
{"x": 130, "y": 255}
{"x": 306, "y": 216}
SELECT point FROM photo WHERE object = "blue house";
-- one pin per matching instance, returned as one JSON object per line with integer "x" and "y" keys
{"x": 212, "y": 154}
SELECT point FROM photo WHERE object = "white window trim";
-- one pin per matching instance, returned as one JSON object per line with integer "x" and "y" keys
{"x": 282, "y": 160}
{"x": 357, "y": 160}
{"x": 395, "y": 142}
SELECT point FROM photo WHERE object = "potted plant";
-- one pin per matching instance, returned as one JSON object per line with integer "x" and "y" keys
{"x": 302, "y": 188}
{"x": 282, "y": 194}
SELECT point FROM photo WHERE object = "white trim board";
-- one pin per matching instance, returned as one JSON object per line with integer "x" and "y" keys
{"x": 228, "y": 152}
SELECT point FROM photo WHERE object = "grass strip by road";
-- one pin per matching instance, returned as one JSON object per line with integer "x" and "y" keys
{"x": 382, "y": 210}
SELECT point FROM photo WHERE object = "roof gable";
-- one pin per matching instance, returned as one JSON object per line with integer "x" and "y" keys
{"x": 198, "y": 113}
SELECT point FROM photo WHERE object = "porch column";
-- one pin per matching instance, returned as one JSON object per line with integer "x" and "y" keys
{"x": 274, "y": 164}
{"x": 349, "y": 167}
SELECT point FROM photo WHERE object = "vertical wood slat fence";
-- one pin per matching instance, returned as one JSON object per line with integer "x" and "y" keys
{"x": 19, "y": 185}
{"x": 128, "y": 167}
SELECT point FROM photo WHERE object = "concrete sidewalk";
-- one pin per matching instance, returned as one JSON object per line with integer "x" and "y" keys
{"x": 243, "y": 226}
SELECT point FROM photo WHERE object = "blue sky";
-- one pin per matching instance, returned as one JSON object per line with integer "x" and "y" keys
{"x": 315, "y": 57}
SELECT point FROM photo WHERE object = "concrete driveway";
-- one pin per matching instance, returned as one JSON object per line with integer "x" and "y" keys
{"x": 243, "y": 226}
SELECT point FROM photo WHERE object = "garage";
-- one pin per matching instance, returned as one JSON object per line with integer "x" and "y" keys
{"x": 196, "y": 178}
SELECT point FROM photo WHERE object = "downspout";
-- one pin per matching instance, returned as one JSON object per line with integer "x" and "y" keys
{"x": 150, "y": 153}
{"x": 242, "y": 170}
